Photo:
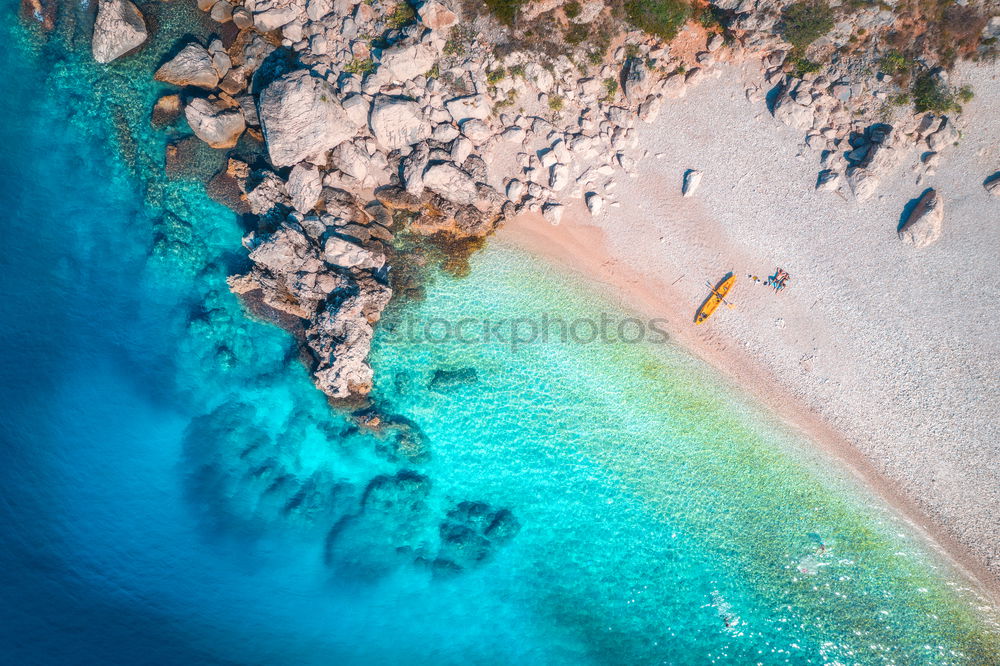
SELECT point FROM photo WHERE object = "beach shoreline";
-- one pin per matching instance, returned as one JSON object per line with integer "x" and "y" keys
{"x": 580, "y": 250}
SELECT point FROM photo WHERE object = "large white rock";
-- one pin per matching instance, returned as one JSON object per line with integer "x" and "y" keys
{"x": 119, "y": 28}
{"x": 692, "y": 179}
{"x": 477, "y": 131}
{"x": 357, "y": 108}
{"x": 341, "y": 252}
{"x": 436, "y": 15}
{"x": 403, "y": 62}
{"x": 193, "y": 66}
{"x": 470, "y": 106}
{"x": 302, "y": 118}
{"x": 553, "y": 212}
{"x": 558, "y": 177}
{"x": 305, "y": 184}
{"x": 925, "y": 222}
{"x": 216, "y": 123}
{"x": 863, "y": 183}
{"x": 351, "y": 160}
{"x": 450, "y": 182}
{"x": 461, "y": 148}
{"x": 397, "y": 122}
{"x": 270, "y": 15}
{"x": 792, "y": 113}
{"x": 595, "y": 203}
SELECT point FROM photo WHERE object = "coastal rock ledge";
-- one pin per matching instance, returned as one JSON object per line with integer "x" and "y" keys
{"x": 320, "y": 276}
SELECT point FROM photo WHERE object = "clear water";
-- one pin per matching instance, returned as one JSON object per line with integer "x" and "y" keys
{"x": 171, "y": 478}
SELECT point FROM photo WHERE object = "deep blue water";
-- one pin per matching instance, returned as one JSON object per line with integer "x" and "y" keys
{"x": 175, "y": 491}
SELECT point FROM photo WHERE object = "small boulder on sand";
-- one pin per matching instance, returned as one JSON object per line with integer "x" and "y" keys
{"x": 992, "y": 184}
{"x": 924, "y": 224}
{"x": 692, "y": 178}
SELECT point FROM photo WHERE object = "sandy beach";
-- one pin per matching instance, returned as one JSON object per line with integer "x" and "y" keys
{"x": 880, "y": 352}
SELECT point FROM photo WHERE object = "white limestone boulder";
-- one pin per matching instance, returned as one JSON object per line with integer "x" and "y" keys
{"x": 925, "y": 222}
{"x": 118, "y": 29}
{"x": 302, "y": 118}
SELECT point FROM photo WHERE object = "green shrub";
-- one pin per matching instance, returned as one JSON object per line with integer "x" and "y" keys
{"x": 894, "y": 62}
{"x": 517, "y": 70}
{"x": 610, "y": 88}
{"x": 804, "y": 22}
{"x": 710, "y": 18}
{"x": 496, "y": 76}
{"x": 577, "y": 33}
{"x": 930, "y": 94}
{"x": 358, "y": 66}
{"x": 965, "y": 94}
{"x": 572, "y": 9}
{"x": 662, "y": 18}
{"x": 902, "y": 99}
{"x": 401, "y": 15}
{"x": 556, "y": 102}
{"x": 802, "y": 66}
{"x": 504, "y": 10}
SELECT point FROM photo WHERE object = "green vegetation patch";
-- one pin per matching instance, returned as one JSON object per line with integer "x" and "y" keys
{"x": 504, "y": 10}
{"x": 496, "y": 76}
{"x": 804, "y": 22}
{"x": 572, "y": 9}
{"x": 556, "y": 102}
{"x": 610, "y": 88}
{"x": 931, "y": 94}
{"x": 401, "y": 15}
{"x": 577, "y": 33}
{"x": 359, "y": 66}
{"x": 895, "y": 63}
{"x": 662, "y": 18}
{"x": 802, "y": 66}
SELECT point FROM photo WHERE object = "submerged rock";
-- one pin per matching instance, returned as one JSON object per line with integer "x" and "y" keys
{"x": 167, "y": 110}
{"x": 472, "y": 533}
{"x": 444, "y": 380}
{"x": 119, "y": 28}
{"x": 925, "y": 222}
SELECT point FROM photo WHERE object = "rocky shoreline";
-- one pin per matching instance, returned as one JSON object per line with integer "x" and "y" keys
{"x": 445, "y": 120}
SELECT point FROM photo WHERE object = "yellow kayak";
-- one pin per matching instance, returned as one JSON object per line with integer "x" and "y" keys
{"x": 713, "y": 300}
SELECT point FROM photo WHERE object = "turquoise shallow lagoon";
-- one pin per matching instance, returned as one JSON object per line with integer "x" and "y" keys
{"x": 173, "y": 484}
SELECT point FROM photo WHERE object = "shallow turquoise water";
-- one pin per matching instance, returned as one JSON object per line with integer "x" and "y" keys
{"x": 171, "y": 477}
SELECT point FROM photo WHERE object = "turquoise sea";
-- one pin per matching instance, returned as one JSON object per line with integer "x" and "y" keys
{"x": 175, "y": 491}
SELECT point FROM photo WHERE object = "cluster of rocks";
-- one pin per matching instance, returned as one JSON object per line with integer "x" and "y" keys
{"x": 360, "y": 132}
{"x": 394, "y": 525}
{"x": 327, "y": 268}
{"x": 414, "y": 112}
{"x": 852, "y": 155}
